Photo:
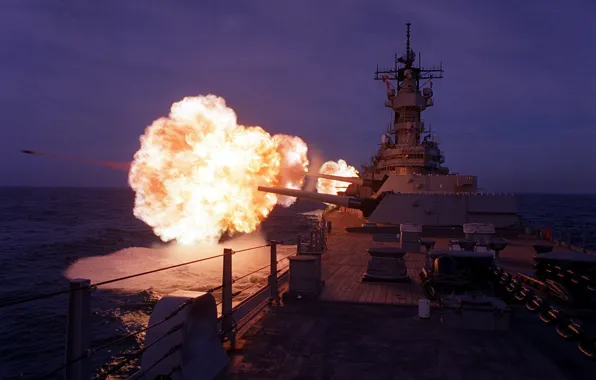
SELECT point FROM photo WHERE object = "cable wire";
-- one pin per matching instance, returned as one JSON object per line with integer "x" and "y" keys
{"x": 250, "y": 249}
{"x": 120, "y": 340}
{"x": 251, "y": 273}
{"x": 93, "y": 286}
{"x": 155, "y": 270}
{"x": 140, "y": 352}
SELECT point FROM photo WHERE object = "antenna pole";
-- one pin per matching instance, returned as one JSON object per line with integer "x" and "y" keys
{"x": 408, "y": 40}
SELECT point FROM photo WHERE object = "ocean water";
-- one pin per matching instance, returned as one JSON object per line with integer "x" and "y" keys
{"x": 570, "y": 216}
{"x": 49, "y": 233}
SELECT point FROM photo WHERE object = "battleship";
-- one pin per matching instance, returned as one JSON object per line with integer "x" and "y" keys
{"x": 413, "y": 274}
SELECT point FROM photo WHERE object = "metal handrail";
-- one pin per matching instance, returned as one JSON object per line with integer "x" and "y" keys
{"x": 93, "y": 286}
{"x": 558, "y": 238}
{"x": 96, "y": 285}
{"x": 78, "y": 351}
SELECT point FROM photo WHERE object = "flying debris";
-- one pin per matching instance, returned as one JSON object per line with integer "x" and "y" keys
{"x": 121, "y": 166}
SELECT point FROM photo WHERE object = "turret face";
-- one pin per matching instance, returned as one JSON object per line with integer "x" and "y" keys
{"x": 402, "y": 151}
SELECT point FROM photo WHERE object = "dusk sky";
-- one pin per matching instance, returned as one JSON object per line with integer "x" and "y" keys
{"x": 517, "y": 106}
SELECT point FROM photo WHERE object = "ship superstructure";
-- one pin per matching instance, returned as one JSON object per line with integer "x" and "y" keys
{"x": 406, "y": 181}
{"x": 409, "y": 152}
{"x": 402, "y": 151}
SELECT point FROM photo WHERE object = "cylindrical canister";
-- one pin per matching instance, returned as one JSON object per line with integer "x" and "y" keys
{"x": 424, "y": 308}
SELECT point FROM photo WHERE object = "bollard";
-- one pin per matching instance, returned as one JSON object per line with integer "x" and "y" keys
{"x": 78, "y": 330}
{"x": 227, "y": 321}
{"x": 274, "y": 294}
{"x": 298, "y": 244}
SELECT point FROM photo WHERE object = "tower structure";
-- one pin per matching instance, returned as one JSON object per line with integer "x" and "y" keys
{"x": 401, "y": 150}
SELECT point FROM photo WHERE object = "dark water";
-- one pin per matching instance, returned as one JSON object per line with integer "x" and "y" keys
{"x": 44, "y": 231}
{"x": 570, "y": 216}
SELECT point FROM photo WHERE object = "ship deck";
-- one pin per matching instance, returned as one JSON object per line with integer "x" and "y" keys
{"x": 362, "y": 330}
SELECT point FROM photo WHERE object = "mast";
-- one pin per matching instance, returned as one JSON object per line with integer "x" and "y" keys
{"x": 409, "y": 93}
{"x": 404, "y": 97}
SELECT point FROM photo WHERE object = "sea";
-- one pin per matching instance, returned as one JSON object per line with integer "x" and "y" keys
{"x": 49, "y": 235}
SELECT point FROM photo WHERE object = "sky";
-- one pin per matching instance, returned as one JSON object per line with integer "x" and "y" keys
{"x": 516, "y": 107}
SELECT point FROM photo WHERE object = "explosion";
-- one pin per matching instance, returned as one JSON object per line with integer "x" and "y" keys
{"x": 196, "y": 173}
{"x": 339, "y": 168}
{"x": 293, "y": 164}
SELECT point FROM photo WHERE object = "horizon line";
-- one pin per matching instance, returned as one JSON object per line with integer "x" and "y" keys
{"x": 128, "y": 188}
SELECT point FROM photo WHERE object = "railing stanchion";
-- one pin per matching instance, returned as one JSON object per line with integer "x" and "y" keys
{"x": 78, "y": 330}
{"x": 227, "y": 322}
{"x": 298, "y": 244}
{"x": 274, "y": 297}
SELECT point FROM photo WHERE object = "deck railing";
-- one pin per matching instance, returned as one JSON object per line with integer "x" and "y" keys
{"x": 78, "y": 350}
{"x": 559, "y": 237}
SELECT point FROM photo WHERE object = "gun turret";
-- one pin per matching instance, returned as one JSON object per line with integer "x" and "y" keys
{"x": 366, "y": 205}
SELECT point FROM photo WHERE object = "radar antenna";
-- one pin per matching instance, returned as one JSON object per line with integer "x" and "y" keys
{"x": 406, "y": 61}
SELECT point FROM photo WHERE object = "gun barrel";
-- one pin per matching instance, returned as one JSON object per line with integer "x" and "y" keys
{"x": 366, "y": 205}
{"x": 353, "y": 180}
{"x": 327, "y": 198}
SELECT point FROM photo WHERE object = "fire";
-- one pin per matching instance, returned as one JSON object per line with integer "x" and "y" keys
{"x": 339, "y": 168}
{"x": 196, "y": 173}
{"x": 293, "y": 164}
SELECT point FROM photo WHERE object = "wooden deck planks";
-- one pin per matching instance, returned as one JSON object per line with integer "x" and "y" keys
{"x": 336, "y": 339}
{"x": 346, "y": 259}
{"x": 348, "y": 341}
{"x": 345, "y": 262}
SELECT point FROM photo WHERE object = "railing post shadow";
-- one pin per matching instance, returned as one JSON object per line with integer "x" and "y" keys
{"x": 78, "y": 330}
{"x": 274, "y": 295}
{"x": 227, "y": 321}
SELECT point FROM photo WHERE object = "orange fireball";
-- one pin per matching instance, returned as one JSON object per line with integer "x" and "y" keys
{"x": 339, "y": 168}
{"x": 196, "y": 173}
